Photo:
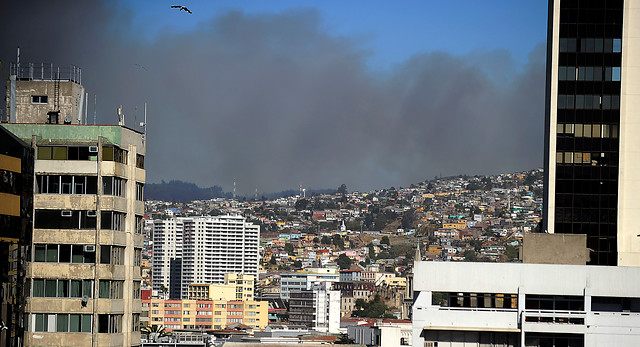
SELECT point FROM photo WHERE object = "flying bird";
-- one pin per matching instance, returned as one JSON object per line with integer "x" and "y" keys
{"x": 182, "y": 8}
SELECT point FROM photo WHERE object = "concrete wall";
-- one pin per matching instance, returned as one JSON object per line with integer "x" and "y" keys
{"x": 555, "y": 249}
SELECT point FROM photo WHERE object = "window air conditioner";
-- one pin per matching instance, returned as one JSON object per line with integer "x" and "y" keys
{"x": 66, "y": 213}
{"x": 93, "y": 149}
{"x": 89, "y": 248}
{"x": 91, "y": 213}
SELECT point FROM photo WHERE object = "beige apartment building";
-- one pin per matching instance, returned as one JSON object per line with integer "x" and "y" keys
{"x": 84, "y": 271}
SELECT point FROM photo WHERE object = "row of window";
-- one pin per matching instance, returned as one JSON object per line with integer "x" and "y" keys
{"x": 109, "y": 153}
{"x": 590, "y": 45}
{"x": 588, "y": 73}
{"x": 589, "y": 102}
{"x": 78, "y": 219}
{"x": 62, "y": 322}
{"x": 479, "y": 300}
{"x": 577, "y": 158}
{"x": 67, "y": 184}
{"x": 78, "y": 254}
{"x": 588, "y": 130}
{"x": 62, "y": 288}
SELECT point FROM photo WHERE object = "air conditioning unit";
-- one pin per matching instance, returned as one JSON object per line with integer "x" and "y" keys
{"x": 93, "y": 149}
{"x": 66, "y": 213}
{"x": 91, "y": 213}
{"x": 89, "y": 248}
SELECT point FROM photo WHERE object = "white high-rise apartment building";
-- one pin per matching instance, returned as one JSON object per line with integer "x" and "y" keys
{"x": 209, "y": 248}
{"x": 167, "y": 257}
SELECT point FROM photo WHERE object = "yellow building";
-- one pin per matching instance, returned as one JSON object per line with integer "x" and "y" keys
{"x": 236, "y": 287}
{"x": 207, "y": 314}
{"x": 455, "y": 225}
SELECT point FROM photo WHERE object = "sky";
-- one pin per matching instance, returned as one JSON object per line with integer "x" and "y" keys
{"x": 277, "y": 94}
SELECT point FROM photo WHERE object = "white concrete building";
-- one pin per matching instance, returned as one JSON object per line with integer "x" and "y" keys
{"x": 211, "y": 247}
{"x": 512, "y": 304}
{"x": 167, "y": 257}
{"x": 317, "y": 308}
{"x": 298, "y": 281}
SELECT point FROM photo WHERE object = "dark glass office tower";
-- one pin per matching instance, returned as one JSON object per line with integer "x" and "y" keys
{"x": 590, "y": 125}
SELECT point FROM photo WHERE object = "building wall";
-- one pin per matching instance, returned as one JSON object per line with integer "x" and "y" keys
{"x": 71, "y": 101}
{"x": 592, "y": 179}
{"x": 120, "y": 237}
{"x": 629, "y": 179}
{"x": 207, "y": 314}
{"x": 603, "y": 312}
{"x": 210, "y": 248}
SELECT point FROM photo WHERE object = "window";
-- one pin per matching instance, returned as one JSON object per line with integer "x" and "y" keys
{"x": 113, "y": 186}
{"x": 109, "y": 323}
{"x": 139, "y": 191}
{"x": 135, "y": 321}
{"x": 65, "y": 153}
{"x": 62, "y": 322}
{"x": 110, "y": 289}
{"x": 140, "y": 161}
{"x": 116, "y": 154}
{"x": 39, "y": 99}
{"x": 65, "y": 219}
{"x": 139, "y": 224}
{"x": 113, "y": 220}
{"x": 77, "y": 254}
{"x": 136, "y": 289}
{"x": 66, "y": 184}
{"x": 113, "y": 255}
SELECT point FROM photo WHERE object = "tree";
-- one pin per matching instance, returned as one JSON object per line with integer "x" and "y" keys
{"x": 511, "y": 252}
{"x": 154, "y": 332}
{"x": 375, "y": 308}
{"x": 302, "y": 204}
{"x": 470, "y": 255}
{"x": 297, "y": 264}
{"x": 385, "y": 240}
{"x": 316, "y": 240}
{"x": 288, "y": 247}
{"x": 337, "y": 241}
{"x": 344, "y": 339}
{"x": 344, "y": 262}
{"x": 342, "y": 190}
{"x": 273, "y": 260}
{"x": 409, "y": 219}
{"x": 325, "y": 240}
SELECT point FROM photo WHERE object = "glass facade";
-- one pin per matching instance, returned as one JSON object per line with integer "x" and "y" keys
{"x": 588, "y": 120}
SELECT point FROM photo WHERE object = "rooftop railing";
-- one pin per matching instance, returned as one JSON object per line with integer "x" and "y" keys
{"x": 46, "y": 72}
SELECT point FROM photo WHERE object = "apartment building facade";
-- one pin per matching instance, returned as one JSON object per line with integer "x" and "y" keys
{"x": 84, "y": 271}
{"x": 211, "y": 247}
{"x": 207, "y": 314}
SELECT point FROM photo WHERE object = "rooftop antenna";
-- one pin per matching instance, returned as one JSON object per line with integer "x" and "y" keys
{"x": 86, "y": 105}
{"x": 256, "y": 194}
{"x": 143, "y": 124}
{"x": 234, "y": 188}
{"x": 120, "y": 116}
{"x": 18, "y": 62}
{"x": 95, "y": 102}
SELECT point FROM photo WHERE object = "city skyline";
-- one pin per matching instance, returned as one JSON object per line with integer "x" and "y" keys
{"x": 298, "y": 93}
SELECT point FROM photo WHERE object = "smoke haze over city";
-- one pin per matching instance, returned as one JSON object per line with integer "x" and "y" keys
{"x": 275, "y": 99}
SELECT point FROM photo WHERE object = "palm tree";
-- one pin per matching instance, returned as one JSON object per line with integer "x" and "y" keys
{"x": 154, "y": 332}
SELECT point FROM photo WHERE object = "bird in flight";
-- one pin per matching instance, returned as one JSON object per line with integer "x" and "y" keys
{"x": 182, "y": 8}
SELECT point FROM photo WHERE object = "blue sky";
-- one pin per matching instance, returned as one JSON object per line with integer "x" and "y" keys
{"x": 392, "y": 30}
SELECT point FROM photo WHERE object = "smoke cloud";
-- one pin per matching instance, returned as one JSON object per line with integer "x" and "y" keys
{"x": 275, "y": 101}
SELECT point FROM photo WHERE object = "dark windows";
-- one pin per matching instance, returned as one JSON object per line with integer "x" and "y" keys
{"x": 62, "y": 322}
{"x": 65, "y": 153}
{"x": 139, "y": 191}
{"x": 54, "y": 253}
{"x": 65, "y": 219}
{"x": 39, "y": 99}
{"x": 113, "y": 186}
{"x": 110, "y": 289}
{"x": 66, "y": 184}
{"x": 113, "y": 255}
{"x": 112, "y": 153}
{"x": 140, "y": 161}
{"x": 112, "y": 220}
{"x": 476, "y": 300}
{"x": 61, "y": 288}
{"x": 554, "y": 302}
{"x": 110, "y": 323}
